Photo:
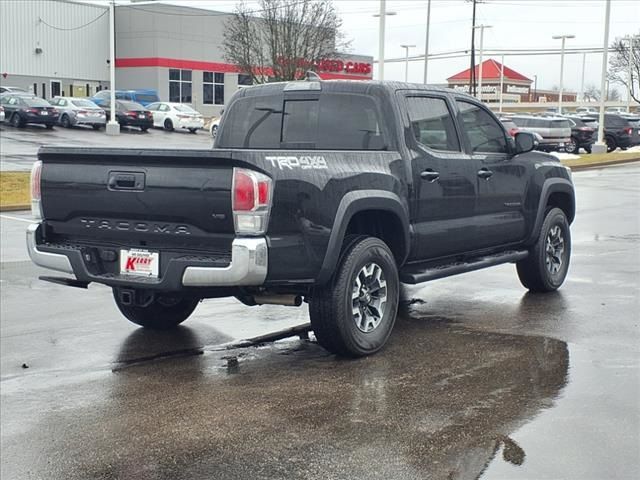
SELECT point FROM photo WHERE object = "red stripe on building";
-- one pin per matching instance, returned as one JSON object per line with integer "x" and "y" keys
{"x": 209, "y": 66}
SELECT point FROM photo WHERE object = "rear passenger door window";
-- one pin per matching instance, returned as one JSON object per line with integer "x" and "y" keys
{"x": 432, "y": 123}
{"x": 485, "y": 134}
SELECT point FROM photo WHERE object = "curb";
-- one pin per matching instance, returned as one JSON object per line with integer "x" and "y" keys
{"x": 592, "y": 166}
{"x": 14, "y": 208}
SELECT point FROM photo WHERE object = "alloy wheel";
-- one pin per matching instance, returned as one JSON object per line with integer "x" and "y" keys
{"x": 554, "y": 250}
{"x": 369, "y": 297}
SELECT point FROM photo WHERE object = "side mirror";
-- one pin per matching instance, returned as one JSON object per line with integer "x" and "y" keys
{"x": 525, "y": 142}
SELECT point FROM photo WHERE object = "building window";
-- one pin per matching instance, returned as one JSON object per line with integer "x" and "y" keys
{"x": 213, "y": 88}
{"x": 244, "y": 80}
{"x": 179, "y": 86}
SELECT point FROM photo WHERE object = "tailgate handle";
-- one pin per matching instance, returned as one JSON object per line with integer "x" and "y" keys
{"x": 126, "y": 181}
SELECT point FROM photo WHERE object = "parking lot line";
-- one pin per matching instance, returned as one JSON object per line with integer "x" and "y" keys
{"x": 9, "y": 217}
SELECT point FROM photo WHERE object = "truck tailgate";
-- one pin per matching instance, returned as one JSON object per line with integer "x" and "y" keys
{"x": 151, "y": 198}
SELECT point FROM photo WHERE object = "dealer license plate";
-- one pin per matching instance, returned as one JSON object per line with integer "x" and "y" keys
{"x": 44, "y": 112}
{"x": 139, "y": 262}
{"x": 141, "y": 116}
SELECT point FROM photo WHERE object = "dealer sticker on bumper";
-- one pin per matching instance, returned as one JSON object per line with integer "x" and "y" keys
{"x": 139, "y": 262}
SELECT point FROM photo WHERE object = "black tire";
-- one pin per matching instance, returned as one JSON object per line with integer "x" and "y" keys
{"x": 144, "y": 129}
{"x": 96, "y": 127}
{"x": 193, "y": 130}
{"x": 611, "y": 144}
{"x": 168, "y": 125}
{"x": 163, "y": 313}
{"x": 538, "y": 271}
{"x": 65, "y": 122}
{"x": 214, "y": 131}
{"x": 332, "y": 305}
{"x": 588, "y": 149}
{"x": 49, "y": 126}
{"x": 572, "y": 146}
{"x": 16, "y": 121}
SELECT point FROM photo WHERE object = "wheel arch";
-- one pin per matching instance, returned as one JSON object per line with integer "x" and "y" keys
{"x": 377, "y": 213}
{"x": 556, "y": 192}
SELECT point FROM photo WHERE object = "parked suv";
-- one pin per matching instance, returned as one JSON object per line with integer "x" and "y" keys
{"x": 79, "y": 111}
{"x": 582, "y": 135}
{"x": 555, "y": 131}
{"x": 618, "y": 130}
{"x": 334, "y": 192}
{"x": 634, "y": 121}
{"x": 144, "y": 97}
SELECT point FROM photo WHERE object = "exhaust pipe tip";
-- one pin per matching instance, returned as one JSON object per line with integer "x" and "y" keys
{"x": 287, "y": 300}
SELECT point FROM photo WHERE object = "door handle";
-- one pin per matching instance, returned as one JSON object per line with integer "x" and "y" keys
{"x": 485, "y": 173}
{"x": 430, "y": 175}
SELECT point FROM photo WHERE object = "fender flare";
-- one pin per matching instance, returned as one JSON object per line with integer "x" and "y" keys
{"x": 552, "y": 185}
{"x": 352, "y": 203}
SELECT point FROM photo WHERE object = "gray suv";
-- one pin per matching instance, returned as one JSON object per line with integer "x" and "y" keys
{"x": 79, "y": 111}
{"x": 555, "y": 131}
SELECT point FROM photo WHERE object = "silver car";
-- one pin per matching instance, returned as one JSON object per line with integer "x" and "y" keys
{"x": 555, "y": 131}
{"x": 79, "y": 111}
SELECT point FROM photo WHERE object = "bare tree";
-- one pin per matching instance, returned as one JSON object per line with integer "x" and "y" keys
{"x": 591, "y": 93}
{"x": 619, "y": 64}
{"x": 281, "y": 39}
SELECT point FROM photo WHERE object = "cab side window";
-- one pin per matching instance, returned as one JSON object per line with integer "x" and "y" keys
{"x": 485, "y": 134}
{"x": 432, "y": 123}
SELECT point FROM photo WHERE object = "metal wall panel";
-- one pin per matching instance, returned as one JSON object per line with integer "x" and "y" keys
{"x": 69, "y": 53}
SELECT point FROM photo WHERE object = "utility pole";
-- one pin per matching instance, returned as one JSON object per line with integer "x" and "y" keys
{"x": 472, "y": 71}
{"x": 113, "y": 127}
{"x": 481, "y": 27}
{"x": 563, "y": 38}
{"x": 630, "y": 74}
{"x": 501, "y": 80}
{"x": 584, "y": 61}
{"x": 381, "y": 34}
{"x": 600, "y": 146}
{"x": 406, "y": 61}
{"x": 426, "y": 43}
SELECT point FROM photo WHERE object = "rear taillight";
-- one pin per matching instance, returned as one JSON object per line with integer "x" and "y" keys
{"x": 251, "y": 201}
{"x": 36, "y": 192}
{"x": 628, "y": 130}
{"x": 32, "y": 110}
{"x": 513, "y": 131}
{"x": 132, "y": 114}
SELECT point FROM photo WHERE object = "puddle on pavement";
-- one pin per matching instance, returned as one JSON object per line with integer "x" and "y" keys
{"x": 439, "y": 402}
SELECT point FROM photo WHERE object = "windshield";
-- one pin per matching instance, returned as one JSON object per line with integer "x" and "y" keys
{"x": 184, "y": 108}
{"x": 84, "y": 103}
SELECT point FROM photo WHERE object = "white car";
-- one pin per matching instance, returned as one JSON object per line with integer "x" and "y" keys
{"x": 1, "y": 114}
{"x": 213, "y": 127}
{"x": 170, "y": 116}
{"x": 618, "y": 110}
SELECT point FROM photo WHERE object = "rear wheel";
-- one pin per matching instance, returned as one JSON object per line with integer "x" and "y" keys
{"x": 168, "y": 125}
{"x": 545, "y": 269}
{"x": 571, "y": 146}
{"x": 160, "y": 311}
{"x": 193, "y": 130}
{"x": 611, "y": 144}
{"x": 96, "y": 127}
{"x": 354, "y": 313}
{"x": 16, "y": 121}
{"x": 65, "y": 122}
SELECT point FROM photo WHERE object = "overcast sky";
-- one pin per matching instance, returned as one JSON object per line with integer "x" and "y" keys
{"x": 515, "y": 24}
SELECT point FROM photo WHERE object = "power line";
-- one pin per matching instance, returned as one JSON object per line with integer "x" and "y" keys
{"x": 74, "y": 28}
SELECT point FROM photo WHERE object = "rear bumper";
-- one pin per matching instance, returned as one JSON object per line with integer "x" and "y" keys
{"x": 248, "y": 266}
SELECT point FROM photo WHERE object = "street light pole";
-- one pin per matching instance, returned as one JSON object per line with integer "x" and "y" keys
{"x": 630, "y": 74}
{"x": 113, "y": 127}
{"x": 584, "y": 61}
{"x": 426, "y": 43}
{"x": 501, "y": 80}
{"x": 406, "y": 61}
{"x": 600, "y": 146}
{"x": 481, "y": 27}
{"x": 563, "y": 38}
{"x": 381, "y": 34}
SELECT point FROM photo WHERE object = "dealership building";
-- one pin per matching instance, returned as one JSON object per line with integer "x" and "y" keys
{"x": 61, "y": 47}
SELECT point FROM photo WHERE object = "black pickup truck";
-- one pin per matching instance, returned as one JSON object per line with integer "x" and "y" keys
{"x": 329, "y": 192}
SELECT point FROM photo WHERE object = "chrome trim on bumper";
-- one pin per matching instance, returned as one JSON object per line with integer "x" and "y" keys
{"x": 52, "y": 261}
{"x": 249, "y": 261}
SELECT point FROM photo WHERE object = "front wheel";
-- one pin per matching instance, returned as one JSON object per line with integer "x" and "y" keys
{"x": 545, "y": 269}
{"x": 611, "y": 144}
{"x": 193, "y": 130}
{"x": 16, "y": 121}
{"x": 144, "y": 129}
{"x": 572, "y": 146}
{"x": 354, "y": 313}
{"x": 161, "y": 312}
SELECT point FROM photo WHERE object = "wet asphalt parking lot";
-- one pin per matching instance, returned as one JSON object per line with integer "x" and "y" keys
{"x": 479, "y": 380}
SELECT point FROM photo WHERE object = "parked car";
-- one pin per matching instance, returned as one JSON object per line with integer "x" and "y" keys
{"x": 21, "y": 110}
{"x": 555, "y": 131}
{"x": 213, "y": 126}
{"x": 1, "y": 114}
{"x": 143, "y": 97}
{"x": 131, "y": 114}
{"x": 582, "y": 135}
{"x": 618, "y": 130}
{"x": 79, "y": 111}
{"x": 335, "y": 199}
{"x": 170, "y": 116}
{"x": 4, "y": 89}
{"x": 617, "y": 110}
{"x": 508, "y": 124}
{"x": 634, "y": 121}
{"x": 587, "y": 111}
